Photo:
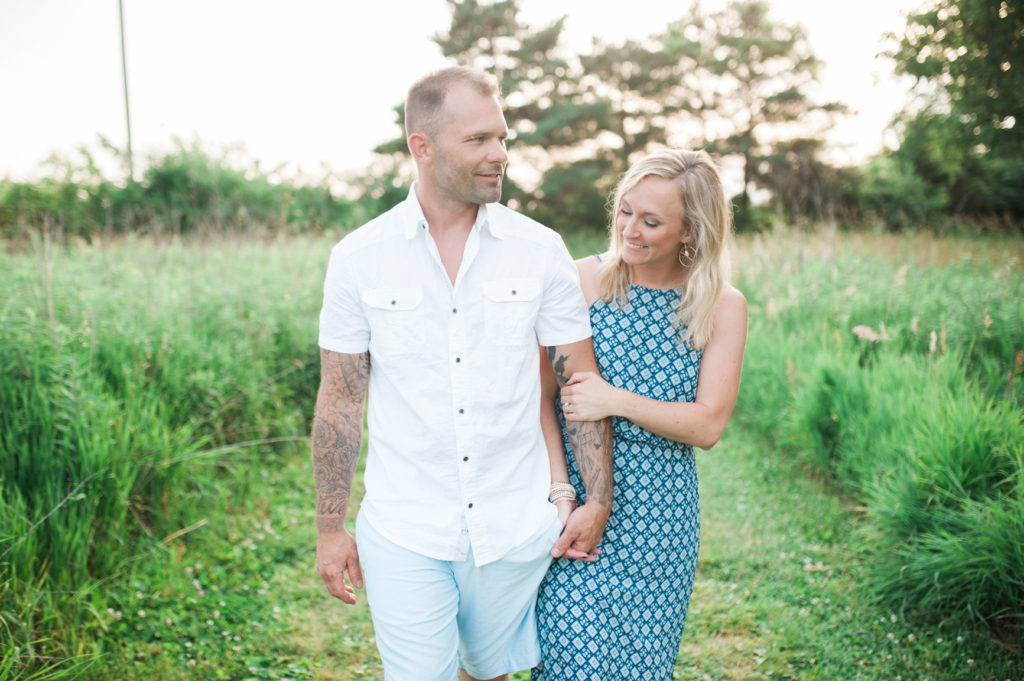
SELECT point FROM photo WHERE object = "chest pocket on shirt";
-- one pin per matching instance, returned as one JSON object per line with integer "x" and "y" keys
{"x": 510, "y": 308}
{"x": 396, "y": 320}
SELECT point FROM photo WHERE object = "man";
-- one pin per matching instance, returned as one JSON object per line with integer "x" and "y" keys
{"x": 437, "y": 307}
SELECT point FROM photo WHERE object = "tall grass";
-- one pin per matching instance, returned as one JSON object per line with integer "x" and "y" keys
{"x": 142, "y": 379}
{"x": 138, "y": 383}
{"x": 894, "y": 367}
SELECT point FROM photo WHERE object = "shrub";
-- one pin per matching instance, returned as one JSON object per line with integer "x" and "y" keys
{"x": 899, "y": 382}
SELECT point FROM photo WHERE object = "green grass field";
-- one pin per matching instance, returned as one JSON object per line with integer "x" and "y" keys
{"x": 156, "y": 506}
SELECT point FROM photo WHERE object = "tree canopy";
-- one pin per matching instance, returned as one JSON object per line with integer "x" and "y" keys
{"x": 741, "y": 84}
{"x": 965, "y": 136}
{"x": 734, "y": 82}
{"x": 973, "y": 52}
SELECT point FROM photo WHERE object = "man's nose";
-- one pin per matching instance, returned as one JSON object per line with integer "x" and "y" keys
{"x": 498, "y": 153}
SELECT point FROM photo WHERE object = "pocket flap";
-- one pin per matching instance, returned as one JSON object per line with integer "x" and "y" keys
{"x": 393, "y": 298}
{"x": 511, "y": 290}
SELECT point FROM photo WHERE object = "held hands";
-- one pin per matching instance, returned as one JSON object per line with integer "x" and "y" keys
{"x": 587, "y": 397}
{"x": 565, "y": 508}
{"x": 336, "y": 553}
{"x": 582, "y": 533}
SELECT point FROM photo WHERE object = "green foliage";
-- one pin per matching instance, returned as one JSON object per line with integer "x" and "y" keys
{"x": 961, "y": 177}
{"x": 949, "y": 518}
{"x": 572, "y": 197}
{"x": 804, "y": 188}
{"x": 780, "y": 588}
{"x": 970, "y": 50}
{"x": 901, "y": 199}
{"x": 186, "y": 191}
{"x": 901, "y": 384}
{"x": 580, "y": 120}
{"x": 646, "y": 87}
{"x": 175, "y": 355}
{"x": 139, "y": 384}
{"x": 966, "y": 138}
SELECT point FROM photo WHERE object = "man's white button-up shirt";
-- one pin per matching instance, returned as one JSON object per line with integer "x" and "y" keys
{"x": 456, "y": 455}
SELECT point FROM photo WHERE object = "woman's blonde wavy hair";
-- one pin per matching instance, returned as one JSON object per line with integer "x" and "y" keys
{"x": 706, "y": 216}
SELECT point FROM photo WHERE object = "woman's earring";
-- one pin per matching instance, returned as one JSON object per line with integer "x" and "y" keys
{"x": 686, "y": 256}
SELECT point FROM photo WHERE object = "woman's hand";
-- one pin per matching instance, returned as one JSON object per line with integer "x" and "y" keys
{"x": 587, "y": 397}
{"x": 565, "y": 508}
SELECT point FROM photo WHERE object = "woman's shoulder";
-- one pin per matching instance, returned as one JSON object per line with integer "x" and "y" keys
{"x": 590, "y": 263}
{"x": 732, "y": 296}
{"x": 588, "y": 268}
{"x": 732, "y": 306}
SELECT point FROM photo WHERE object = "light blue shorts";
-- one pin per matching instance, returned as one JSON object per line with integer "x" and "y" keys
{"x": 432, "y": 616}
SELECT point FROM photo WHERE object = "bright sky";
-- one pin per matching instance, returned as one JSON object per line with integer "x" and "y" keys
{"x": 312, "y": 83}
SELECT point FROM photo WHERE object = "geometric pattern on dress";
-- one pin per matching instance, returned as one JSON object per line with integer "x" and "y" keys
{"x": 622, "y": 617}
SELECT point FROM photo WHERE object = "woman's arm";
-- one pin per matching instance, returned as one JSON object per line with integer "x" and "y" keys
{"x": 699, "y": 423}
{"x": 553, "y": 434}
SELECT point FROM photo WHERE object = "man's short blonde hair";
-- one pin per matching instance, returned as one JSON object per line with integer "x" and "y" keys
{"x": 424, "y": 105}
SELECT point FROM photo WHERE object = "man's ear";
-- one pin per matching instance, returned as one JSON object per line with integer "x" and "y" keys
{"x": 421, "y": 147}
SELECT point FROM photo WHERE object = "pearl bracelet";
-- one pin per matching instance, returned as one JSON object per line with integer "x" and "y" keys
{"x": 561, "y": 490}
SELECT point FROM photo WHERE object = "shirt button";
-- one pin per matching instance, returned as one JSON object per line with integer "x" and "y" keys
{"x": 454, "y": 310}
{"x": 471, "y": 505}
{"x": 458, "y": 359}
{"x": 462, "y": 411}
{"x": 513, "y": 291}
{"x": 465, "y": 458}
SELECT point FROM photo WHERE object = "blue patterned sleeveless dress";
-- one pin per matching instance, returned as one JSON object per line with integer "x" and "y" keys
{"x": 622, "y": 617}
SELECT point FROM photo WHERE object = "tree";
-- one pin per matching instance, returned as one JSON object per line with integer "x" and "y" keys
{"x": 946, "y": 156}
{"x": 547, "y": 117}
{"x": 896, "y": 194}
{"x": 973, "y": 52}
{"x": 966, "y": 136}
{"x": 733, "y": 82}
{"x": 762, "y": 70}
{"x": 649, "y": 88}
{"x": 644, "y": 93}
{"x": 549, "y": 113}
{"x": 803, "y": 185}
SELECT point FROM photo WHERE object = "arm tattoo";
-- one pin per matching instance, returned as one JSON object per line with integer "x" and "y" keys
{"x": 557, "y": 365}
{"x": 591, "y": 441}
{"x": 337, "y": 436}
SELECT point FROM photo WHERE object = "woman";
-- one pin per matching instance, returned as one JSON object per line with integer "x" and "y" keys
{"x": 669, "y": 332}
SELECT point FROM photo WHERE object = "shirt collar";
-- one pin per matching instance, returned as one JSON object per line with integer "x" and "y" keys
{"x": 415, "y": 221}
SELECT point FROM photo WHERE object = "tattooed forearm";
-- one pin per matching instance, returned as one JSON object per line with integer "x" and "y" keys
{"x": 338, "y": 434}
{"x": 591, "y": 445}
{"x": 591, "y": 441}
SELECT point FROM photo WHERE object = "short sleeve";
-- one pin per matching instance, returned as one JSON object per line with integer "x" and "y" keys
{"x": 563, "y": 316}
{"x": 343, "y": 324}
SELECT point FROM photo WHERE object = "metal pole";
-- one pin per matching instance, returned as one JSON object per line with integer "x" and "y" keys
{"x": 124, "y": 76}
